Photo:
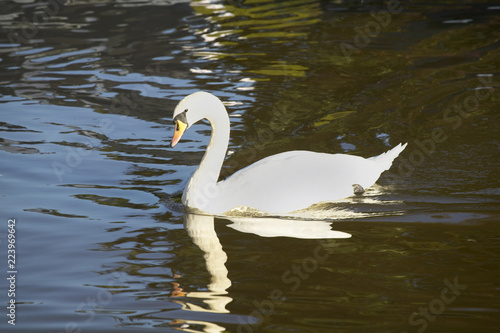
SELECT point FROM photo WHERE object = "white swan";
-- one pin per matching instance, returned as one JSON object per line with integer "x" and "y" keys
{"x": 277, "y": 184}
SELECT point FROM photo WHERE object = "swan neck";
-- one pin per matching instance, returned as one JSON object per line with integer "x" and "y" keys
{"x": 217, "y": 147}
{"x": 209, "y": 169}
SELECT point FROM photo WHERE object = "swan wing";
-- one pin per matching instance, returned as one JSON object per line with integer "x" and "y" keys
{"x": 295, "y": 180}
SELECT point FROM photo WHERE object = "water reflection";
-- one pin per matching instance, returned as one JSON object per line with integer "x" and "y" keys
{"x": 215, "y": 300}
{"x": 273, "y": 227}
{"x": 243, "y": 33}
{"x": 279, "y": 66}
{"x": 202, "y": 231}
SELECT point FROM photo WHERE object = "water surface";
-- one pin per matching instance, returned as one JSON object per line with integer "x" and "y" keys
{"x": 102, "y": 244}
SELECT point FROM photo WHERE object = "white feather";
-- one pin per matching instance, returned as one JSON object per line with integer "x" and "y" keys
{"x": 277, "y": 184}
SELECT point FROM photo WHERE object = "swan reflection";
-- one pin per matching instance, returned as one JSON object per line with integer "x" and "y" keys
{"x": 273, "y": 227}
{"x": 201, "y": 229}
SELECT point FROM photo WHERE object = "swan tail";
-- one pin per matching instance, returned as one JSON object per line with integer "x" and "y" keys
{"x": 385, "y": 159}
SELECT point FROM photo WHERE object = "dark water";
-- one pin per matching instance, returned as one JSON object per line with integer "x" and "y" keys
{"x": 87, "y": 93}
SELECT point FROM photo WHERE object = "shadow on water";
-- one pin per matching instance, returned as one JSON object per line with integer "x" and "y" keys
{"x": 87, "y": 94}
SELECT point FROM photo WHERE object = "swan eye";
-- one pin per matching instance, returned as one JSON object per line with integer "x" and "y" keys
{"x": 180, "y": 117}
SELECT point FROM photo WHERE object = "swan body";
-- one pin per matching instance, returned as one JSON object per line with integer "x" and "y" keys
{"x": 277, "y": 184}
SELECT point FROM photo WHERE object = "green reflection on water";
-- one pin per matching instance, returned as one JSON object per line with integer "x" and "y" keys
{"x": 262, "y": 22}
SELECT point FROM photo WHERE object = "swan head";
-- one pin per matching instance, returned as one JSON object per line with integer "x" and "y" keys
{"x": 192, "y": 109}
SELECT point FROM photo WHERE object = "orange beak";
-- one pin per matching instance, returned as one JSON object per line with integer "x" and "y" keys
{"x": 180, "y": 127}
